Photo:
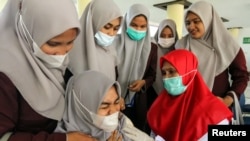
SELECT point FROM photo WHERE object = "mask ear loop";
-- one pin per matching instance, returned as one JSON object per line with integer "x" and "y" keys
{"x": 192, "y": 71}
{"x": 80, "y": 105}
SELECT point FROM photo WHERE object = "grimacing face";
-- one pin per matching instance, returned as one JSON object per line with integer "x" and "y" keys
{"x": 110, "y": 103}
{"x": 112, "y": 27}
{"x": 61, "y": 44}
{"x": 194, "y": 25}
{"x": 139, "y": 23}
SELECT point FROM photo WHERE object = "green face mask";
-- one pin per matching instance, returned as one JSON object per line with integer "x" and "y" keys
{"x": 135, "y": 34}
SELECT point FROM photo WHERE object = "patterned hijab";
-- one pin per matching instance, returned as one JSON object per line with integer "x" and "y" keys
{"x": 38, "y": 84}
{"x": 133, "y": 55}
{"x": 87, "y": 90}
{"x": 186, "y": 117}
{"x": 87, "y": 55}
{"x": 217, "y": 48}
{"x": 158, "y": 86}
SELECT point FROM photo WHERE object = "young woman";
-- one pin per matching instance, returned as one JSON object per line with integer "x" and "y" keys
{"x": 35, "y": 39}
{"x": 93, "y": 107}
{"x": 137, "y": 63}
{"x": 165, "y": 39}
{"x": 222, "y": 62}
{"x": 100, "y": 23}
{"x": 186, "y": 106}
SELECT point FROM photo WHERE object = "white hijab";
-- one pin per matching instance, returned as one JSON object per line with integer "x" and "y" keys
{"x": 87, "y": 55}
{"x": 158, "y": 85}
{"x": 84, "y": 94}
{"x": 133, "y": 55}
{"x": 44, "y": 19}
{"x": 217, "y": 49}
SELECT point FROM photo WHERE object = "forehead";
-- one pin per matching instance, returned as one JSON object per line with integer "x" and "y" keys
{"x": 167, "y": 65}
{"x": 191, "y": 15}
{"x": 111, "y": 94}
{"x": 115, "y": 22}
{"x": 139, "y": 20}
{"x": 167, "y": 30}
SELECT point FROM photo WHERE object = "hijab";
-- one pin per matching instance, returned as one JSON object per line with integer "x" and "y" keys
{"x": 158, "y": 85}
{"x": 22, "y": 23}
{"x": 217, "y": 48}
{"x": 133, "y": 55}
{"x": 187, "y": 116}
{"x": 89, "y": 89}
{"x": 87, "y": 55}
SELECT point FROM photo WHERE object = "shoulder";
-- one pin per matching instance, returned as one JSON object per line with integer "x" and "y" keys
{"x": 5, "y": 80}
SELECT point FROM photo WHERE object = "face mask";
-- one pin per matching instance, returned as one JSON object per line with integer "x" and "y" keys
{"x": 53, "y": 60}
{"x": 174, "y": 85}
{"x": 103, "y": 39}
{"x": 135, "y": 34}
{"x": 107, "y": 123}
{"x": 166, "y": 42}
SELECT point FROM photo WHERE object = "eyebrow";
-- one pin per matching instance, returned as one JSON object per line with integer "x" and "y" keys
{"x": 108, "y": 103}
{"x": 193, "y": 19}
{"x": 58, "y": 43}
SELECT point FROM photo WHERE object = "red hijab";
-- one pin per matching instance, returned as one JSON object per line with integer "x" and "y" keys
{"x": 186, "y": 117}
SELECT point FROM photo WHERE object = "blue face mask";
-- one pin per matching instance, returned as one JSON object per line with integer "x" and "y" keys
{"x": 135, "y": 34}
{"x": 103, "y": 39}
{"x": 174, "y": 85}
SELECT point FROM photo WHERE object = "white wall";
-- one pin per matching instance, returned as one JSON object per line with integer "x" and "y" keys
{"x": 245, "y": 32}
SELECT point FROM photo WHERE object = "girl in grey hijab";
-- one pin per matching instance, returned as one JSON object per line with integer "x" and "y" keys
{"x": 93, "y": 50}
{"x": 165, "y": 43}
{"x": 217, "y": 52}
{"x": 93, "y": 107}
{"x": 137, "y": 63}
{"x": 35, "y": 36}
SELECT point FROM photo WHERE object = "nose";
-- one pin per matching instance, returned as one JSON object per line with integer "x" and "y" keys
{"x": 111, "y": 32}
{"x": 64, "y": 49}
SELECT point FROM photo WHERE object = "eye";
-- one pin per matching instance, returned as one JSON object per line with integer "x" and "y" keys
{"x": 117, "y": 28}
{"x": 187, "y": 23}
{"x": 52, "y": 44}
{"x": 108, "y": 26}
{"x": 163, "y": 72}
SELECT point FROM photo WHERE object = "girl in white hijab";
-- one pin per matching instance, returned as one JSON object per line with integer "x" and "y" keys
{"x": 93, "y": 50}
{"x": 35, "y": 38}
{"x": 93, "y": 107}
{"x": 165, "y": 39}
{"x": 137, "y": 63}
{"x": 220, "y": 57}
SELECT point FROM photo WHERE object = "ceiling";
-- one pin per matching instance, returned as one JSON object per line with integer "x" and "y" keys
{"x": 236, "y": 11}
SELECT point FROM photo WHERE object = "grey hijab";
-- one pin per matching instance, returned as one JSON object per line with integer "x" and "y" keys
{"x": 87, "y": 55}
{"x": 217, "y": 49}
{"x": 158, "y": 84}
{"x": 133, "y": 55}
{"x": 44, "y": 20}
{"x": 87, "y": 90}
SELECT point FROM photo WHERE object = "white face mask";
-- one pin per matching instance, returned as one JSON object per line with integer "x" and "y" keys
{"x": 107, "y": 123}
{"x": 166, "y": 42}
{"x": 103, "y": 39}
{"x": 53, "y": 60}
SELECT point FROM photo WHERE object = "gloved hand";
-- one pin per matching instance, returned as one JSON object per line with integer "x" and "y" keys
{"x": 135, "y": 134}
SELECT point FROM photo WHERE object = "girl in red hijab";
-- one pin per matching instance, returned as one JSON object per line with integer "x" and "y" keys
{"x": 185, "y": 108}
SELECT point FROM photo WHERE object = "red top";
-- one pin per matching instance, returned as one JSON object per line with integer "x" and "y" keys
{"x": 186, "y": 117}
